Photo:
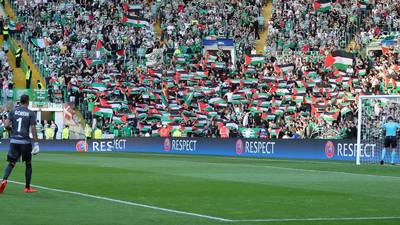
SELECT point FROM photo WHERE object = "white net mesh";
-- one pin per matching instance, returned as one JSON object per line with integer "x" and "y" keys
{"x": 374, "y": 113}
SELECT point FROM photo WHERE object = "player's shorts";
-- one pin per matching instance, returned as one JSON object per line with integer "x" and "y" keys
{"x": 18, "y": 150}
{"x": 390, "y": 142}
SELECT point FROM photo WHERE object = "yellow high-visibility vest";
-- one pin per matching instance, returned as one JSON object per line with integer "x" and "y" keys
{"x": 65, "y": 134}
{"x": 28, "y": 74}
{"x": 49, "y": 133}
{"x": 98, "y": 134}
{"x": 6, "y": 30}
{"x": 177, "y": 133}
{"x": 18, "y": 53}
{"x": 88, "y": 132}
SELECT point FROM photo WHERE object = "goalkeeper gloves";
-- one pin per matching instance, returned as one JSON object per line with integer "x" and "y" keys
{"x": 35, "y": 149}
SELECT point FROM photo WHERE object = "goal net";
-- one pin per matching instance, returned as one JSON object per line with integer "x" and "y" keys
{"x": 374, "y": 111}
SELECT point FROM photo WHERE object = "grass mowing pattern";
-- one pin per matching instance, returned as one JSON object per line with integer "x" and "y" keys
{"x": 231, "y": 188}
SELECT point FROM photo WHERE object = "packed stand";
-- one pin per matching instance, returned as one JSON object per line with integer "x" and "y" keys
{"x": 309, "y": 93}
{"x": 3, "y": 116}
{"x": 6, "y": 78}
{"x": 187, "y": 23}
{"x": 74, "y": 35}
{"x": 381, "y": 18}
{"x": 377, "y": 112}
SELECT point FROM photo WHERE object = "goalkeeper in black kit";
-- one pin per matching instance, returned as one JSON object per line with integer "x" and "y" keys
{"x": 19, "y": 120}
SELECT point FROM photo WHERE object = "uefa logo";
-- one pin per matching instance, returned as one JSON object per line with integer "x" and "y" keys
{"x": 329, "y": 149}
{"x": 81, "y": 146}
{"x": 167, "y": 145}
{"x": 239, "y": 147}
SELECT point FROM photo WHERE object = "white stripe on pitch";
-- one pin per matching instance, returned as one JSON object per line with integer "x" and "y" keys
{"x": 322, "y": 219}
{"x": 302, "y": 170}
{"x": 206, "y": 216}
{"x": 127, "y": 203}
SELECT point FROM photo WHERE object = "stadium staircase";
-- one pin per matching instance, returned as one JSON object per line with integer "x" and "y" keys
{"x": 157, "y": 27}
{"x": 352, "y": 45}
{"x": 267, "y": 13}
{"x": 19, "y": 73}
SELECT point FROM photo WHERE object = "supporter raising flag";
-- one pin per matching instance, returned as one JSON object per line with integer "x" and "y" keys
{"x": 339, "y": 59}
{"x": 135, "y": 21}
{"x": 322, "y": 5}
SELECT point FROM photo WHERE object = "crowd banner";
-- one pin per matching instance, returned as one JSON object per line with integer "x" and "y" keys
{"x": 234, "y": 147}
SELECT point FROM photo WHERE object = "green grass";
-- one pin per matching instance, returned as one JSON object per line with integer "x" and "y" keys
{"x": 230, "y": 188}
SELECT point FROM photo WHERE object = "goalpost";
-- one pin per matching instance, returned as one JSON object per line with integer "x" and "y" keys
{"x": 373, "y": 111}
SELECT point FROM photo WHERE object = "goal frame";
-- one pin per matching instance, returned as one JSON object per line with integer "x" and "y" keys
{"x": 360, "y": 99}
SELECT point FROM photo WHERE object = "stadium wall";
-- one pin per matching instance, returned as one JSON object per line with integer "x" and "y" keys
{"x": 261, "y": 148}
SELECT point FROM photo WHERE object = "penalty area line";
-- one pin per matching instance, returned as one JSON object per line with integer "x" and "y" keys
{"x": 127, "y": 202}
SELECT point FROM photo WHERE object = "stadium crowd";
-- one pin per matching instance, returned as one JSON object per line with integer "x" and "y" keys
{"x": 97, "y": 52}
{"x": 6, "y": 78}
{"x": 187, "y": 23}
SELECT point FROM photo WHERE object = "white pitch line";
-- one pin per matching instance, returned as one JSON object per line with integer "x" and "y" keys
{"x": 304, "y": 170}
{"x": 321, "y": 219}
{"x": 205, "y": 216}
{"x": 327, "y": 171}
{"x": 127, "y": 202}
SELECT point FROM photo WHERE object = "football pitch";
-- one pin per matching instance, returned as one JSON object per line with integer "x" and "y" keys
{"x": 148, "y": 189}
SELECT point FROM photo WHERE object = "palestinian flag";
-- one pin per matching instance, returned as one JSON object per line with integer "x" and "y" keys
{"x": 345, "y": 110}
{"x": 271, "y": 117}
{"x": 362, "y": 72}
{"x": 99, "y": 45}
{"x": 135, "y": 21}
{"x": 93, "y": 62}
{"x": 203, "y": 74}
{"x": 120, "y": 52}
{"x": 322, "y": 5}
{"x": 312, "y": 73}
{"x": 297, "y": 98}
{"x": 120, "y": 120}
{"x": 210, "y": 58}
{"x": 277, "y": 69}
{"x": 339, "y": 59}
{"x": 40, "y": 42}
{"x": 203, "y": 107}
{"x": 331, "y": 116}
{"x": 287, "y": 68}
{"x": 132, "y": 7}
{"x": 105, "y": 103}
{"x": 101, "y": 110}
{"x": 99, "y": 86}
{"x": 216, "y": 101}
{"x": 275, "y": 132}
{"x": 254, "y": 59}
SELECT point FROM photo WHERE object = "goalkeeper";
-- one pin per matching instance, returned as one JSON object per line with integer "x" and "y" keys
{"x": 390, "y": 139}
{"x": 19, "y": 120}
